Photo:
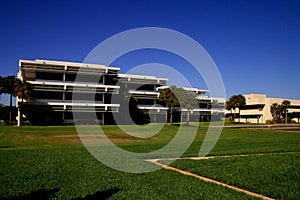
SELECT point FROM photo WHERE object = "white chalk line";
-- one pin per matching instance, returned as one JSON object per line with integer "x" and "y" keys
{"x": 156, "y": 162}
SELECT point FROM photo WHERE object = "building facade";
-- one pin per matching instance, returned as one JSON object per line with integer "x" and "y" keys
{"x": 64, "y": 88}
{"x": 257, "y": 109}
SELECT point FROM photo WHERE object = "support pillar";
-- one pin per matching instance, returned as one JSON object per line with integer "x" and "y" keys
{"x": 19, "y": 117}
{"x": 103, "y": 118}
{"x": 103, "y": 99}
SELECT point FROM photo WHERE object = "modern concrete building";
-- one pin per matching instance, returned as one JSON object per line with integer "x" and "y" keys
{"x": 54, "y": 82}
{"x": 101, "y": 89}
{"x": 206, "y": 108}
{"x": 258, "y": 106}
{"x": 138, "y": 98}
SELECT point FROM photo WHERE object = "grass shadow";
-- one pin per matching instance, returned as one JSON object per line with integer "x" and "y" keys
{"x": 100, "y": 195}
{"x": 6, "y": 146}
{"x": 42, "y": 194}
{"x": 184, "y": 125}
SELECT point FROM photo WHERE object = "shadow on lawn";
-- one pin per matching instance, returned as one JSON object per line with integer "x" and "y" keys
{"x": 100, "y": 195}
{"x": 45, "y": 194}
{"x": 5, "y": 147}
{"x": 42, "y": 194}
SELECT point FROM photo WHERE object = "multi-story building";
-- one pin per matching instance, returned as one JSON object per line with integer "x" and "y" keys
{"x": 54, "y": 83}
{"x": 138, "y": 98}
{"x": 100, "y": 89}
{"x": 206, "y": 108}
{"x": 257, "y": 109}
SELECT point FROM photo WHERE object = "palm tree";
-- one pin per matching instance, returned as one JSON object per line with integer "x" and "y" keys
{"x": 228, "y": 106}
{"x": 237, "y": 101}
{"x": 285, "y": 104}
{"x": 231, "y": 104}
{"x": 1, "y": 85}
{"x": 275, "y": 110}
{"x": 8, "y": 87}
{"x": 129, "y": 102}
{"x": 24, "y": 91}
{"x": 187, "y": 100}
{"x": 168, "y": 97}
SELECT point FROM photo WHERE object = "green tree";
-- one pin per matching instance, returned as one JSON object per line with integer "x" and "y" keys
{"x": 237, "y": 101}
{"x": 285, "y": 104}
{"x": 1, "y": 85}
{"x": 276, "y": 111}
{"x": 8, "y": 87}
{"x": 24, "y": 91}
{"x": 296, "y": 115}
{"x": 170, "y": 100}
{"x": 229, "y": 107}
{"x": 187, "y": 100}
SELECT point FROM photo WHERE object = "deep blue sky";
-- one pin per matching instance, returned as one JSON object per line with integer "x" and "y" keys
{"x": 255, "y": 44}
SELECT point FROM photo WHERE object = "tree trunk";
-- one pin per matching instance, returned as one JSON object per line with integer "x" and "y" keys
{"x": 10, "y": 110}
{"x": 21, "y": 113}
{"x": 181, "y": 119}
{"x": 171, "y": 117}
{"x": 239, "y": 115}
{"x": 167, "y": 116}
{"x": 188, "y": 118}
{"x": 286, "y": 115}
{"x": 234, "y": 115}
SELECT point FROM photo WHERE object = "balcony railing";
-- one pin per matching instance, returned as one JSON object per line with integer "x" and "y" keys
{"x": 75, "y": 106}
{"x": 144, "y": 94}
{"x": 60, "y": 86}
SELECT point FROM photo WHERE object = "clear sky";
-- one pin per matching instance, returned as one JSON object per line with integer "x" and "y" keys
{"x": 254, "y": 43}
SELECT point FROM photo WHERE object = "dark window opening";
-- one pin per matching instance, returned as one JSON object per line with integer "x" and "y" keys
{"x": 48, "y": 95}
{"x": 49, "y": 76}
{"x": 145, "y": 101}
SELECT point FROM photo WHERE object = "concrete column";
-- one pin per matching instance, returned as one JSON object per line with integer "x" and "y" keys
{"x": 181, "y": 119}
{"x": 64, "y": 92}
{"x": 19, "y": 117}
{"x": 103, "y": 98}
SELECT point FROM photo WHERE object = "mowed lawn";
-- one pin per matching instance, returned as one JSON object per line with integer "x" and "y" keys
{"x": 52, "y": 163}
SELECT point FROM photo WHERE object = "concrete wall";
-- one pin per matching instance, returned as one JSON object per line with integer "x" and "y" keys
{"x": 260, "y": 105}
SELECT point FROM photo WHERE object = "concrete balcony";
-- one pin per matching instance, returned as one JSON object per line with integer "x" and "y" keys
{"x": 144, "y": 94}
{"x": 251, "y": 112}
{"x": 139, "y": 79}
{"x": 72, "y": 106}
{"x": 63, "y": 86}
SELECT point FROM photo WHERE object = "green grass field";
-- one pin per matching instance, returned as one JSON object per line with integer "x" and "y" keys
{"x": 51, "y": 163}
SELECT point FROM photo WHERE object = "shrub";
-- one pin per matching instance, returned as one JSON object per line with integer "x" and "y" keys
{"x": 270, "y": 121}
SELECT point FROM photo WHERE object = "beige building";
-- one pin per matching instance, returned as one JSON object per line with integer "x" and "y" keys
{"x": 257, "y": 108}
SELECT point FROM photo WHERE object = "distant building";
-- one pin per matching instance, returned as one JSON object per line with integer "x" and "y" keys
{"x": 207, "y": 107}
{"x": 101, "y": 89}
{"x": 258, "y": 106}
